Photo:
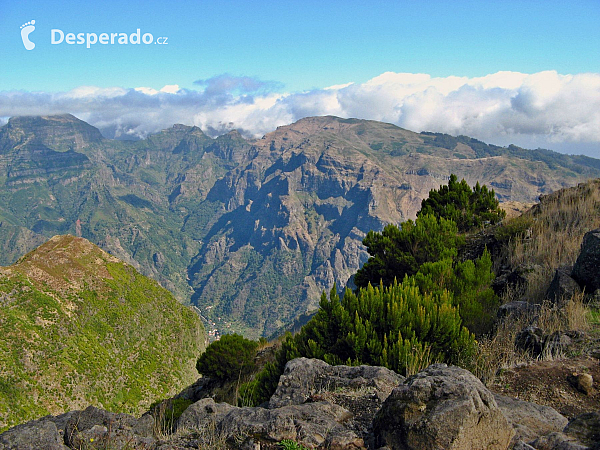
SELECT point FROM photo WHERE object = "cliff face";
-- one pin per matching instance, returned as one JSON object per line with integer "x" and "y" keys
{"x": 80, "y": 327}
{"x": 251, "y": 231}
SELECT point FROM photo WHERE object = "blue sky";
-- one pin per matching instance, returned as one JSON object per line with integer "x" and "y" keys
{"x": 293, "y": 48}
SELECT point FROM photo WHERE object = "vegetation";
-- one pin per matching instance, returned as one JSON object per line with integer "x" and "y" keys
{"x": 396, "y": 252}
{"x": 79, "y": 327}
{"x": 468, "y": 208}
{"x": 229, "y": 358}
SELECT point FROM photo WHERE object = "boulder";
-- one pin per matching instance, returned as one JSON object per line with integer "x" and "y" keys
{"x": 530, "y": 420}
{"x": 585, "y": 271}
{"x": 530, "y": 339}
{"x": 442, "y": 408}
{"x": 558, "y": 441}
{"x": 310, "y": 424}
{"x": 119, "y": 431}
{"x": 585, "y": 428}
{"x": 518, "y": 308}
{"x": 34, "y": 435}
{"x": 556, "y": 344}
{"x": 583, "y": 382}
{"x": 563, "y": 287}
{"x": 302, "y": 378}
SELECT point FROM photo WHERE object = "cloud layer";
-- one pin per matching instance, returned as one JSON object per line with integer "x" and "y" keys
{"x": 543, "y": 109}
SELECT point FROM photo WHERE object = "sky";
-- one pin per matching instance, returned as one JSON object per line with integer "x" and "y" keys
{"x": 522, "y": 72}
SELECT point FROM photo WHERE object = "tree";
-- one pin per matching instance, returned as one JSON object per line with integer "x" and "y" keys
{"x": 469, "y": 208}
{"x": 396, "y": 252}
{"x": 229, "y": 358}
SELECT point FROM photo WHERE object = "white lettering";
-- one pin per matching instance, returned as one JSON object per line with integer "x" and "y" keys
{"x": 70, "y": 39}
{"x": 91, "y": 38}
{"x": 135, "y": 35}
{"x": 103, "y": 39}
{"x": 53, "y": 38}
{"x": 150, "y": 38}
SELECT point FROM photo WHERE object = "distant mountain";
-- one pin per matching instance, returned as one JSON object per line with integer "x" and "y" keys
{"x": 251, "y": 231}
{"x": 80, "y": 327}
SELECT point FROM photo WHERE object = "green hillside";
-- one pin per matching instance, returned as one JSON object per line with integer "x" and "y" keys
{"x": 80, "y": 327}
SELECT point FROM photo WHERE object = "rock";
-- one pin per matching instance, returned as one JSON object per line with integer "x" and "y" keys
{"x": 556, "y": 344}
{"x": 530, "y": 420}
{"x": 558, "y": 441}
{"x": 583, "y": 382}
{"x": 118, "y": 431}
{"x": 310, "y": 424}
{"x": 517, "y": 309}
{"x": 585, "y": 428}
{"x": 442, "y": 408}
{"x": 585, "y": 271}
{"x": 520, "y": 445}
{"x": 303, "y": 378}
{"x": 34, "y": 435}
{"x": 530, "y": 339}
{"x": 563, "y": 287}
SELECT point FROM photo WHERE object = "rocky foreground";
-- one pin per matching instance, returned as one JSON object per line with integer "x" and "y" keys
{"x": 336, "y": 407}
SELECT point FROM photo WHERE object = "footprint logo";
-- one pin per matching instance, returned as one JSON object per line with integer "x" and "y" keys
{"x": 26, "y": 30}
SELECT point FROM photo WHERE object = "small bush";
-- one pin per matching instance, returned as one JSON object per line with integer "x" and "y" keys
{"x": 229, "y": 358}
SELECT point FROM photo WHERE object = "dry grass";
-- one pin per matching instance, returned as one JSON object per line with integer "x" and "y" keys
{"x": 554, "y": 238}
{"x": 497, "y": 352}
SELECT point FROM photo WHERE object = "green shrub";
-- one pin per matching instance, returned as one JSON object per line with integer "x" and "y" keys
{"x": 468, "y": 208}
{"x": 514, "y": 228}
{"x": 396, "y": 252}
{"x": 229, "y": 358}
{"x": 470, "y": 283}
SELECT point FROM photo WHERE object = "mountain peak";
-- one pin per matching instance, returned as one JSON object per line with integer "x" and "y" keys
{"x": 60, "y": 132}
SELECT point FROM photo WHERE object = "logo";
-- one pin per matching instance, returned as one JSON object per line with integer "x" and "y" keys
{"x": 26, "y": 30}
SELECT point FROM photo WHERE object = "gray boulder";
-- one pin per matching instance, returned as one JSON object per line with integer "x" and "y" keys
{"x": 442, "y": 408}
{"x": 303, "y": 378}
{"x": 563, "y": 287}
{"x": 518, "y": 308}
{"x": 311, "y": 424}
{"x": 585, "y": 271}
{"x": 530, "y": 420}
{"x": 530, "y": 339}
{"x": 585, "y": 428}
{"x": 34, "y": 435}
{"x": 119, "y": 431}
{"x": 558, "y": 441}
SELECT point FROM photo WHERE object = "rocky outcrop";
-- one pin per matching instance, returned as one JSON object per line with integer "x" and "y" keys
{"x": 442, "y": 407}
{"x": 585, "y": 270}
{"x": 320, "y": 406}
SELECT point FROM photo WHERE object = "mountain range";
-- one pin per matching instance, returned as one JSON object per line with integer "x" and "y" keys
{"x": 249, "y": 230}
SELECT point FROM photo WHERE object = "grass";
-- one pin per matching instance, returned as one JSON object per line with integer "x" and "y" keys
{"x": 550, "y": 234}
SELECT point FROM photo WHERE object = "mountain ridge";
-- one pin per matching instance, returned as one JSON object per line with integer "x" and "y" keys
{"x": 249, "y": 230}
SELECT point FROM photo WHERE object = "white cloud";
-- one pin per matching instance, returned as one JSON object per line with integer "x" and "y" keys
{"x": 544, "y": 109}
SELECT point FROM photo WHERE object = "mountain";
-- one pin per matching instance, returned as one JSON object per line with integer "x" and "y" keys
{"x": 80, "y": 327}
{"x": 250, "y": 231}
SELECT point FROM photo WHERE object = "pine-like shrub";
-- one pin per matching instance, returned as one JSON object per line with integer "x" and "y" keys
{"x": 469, "y": 208}
{"x": 229, "y": 358}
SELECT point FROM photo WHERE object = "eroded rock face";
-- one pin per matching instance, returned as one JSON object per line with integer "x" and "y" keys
{"x": 442, "y": 407}
{"x": 46, "y": 433}
{"x": 585, "y": 270}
